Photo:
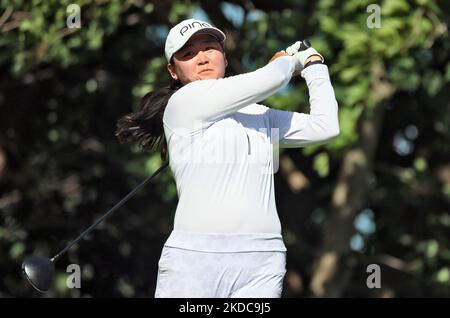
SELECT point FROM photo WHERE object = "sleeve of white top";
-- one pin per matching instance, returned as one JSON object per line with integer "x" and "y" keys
{"x": 321, "y": 124}
{"x": 211, "y": 100}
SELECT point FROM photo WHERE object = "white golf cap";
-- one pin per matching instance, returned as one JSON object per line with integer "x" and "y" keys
{"x": 183, "y": 31}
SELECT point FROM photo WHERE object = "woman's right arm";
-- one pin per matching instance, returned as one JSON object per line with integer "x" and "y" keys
{"x": 211, "y": 100}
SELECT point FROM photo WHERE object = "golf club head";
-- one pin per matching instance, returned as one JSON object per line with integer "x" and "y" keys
{"x": 39, "y": 272}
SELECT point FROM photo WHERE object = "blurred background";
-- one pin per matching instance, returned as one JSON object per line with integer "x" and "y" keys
{"x": 378, "y": 194}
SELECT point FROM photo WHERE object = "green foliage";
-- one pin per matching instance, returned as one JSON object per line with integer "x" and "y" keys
{"x": 322, "y": 164}
{"x": 42, "y": 36}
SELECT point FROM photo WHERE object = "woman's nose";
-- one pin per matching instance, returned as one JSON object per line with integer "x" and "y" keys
{"x": 202, "y": 57}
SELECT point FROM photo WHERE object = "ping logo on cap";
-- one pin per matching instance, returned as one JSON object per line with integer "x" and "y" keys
{"x": 183, "y": 31}
{"x": 192, "y": 25}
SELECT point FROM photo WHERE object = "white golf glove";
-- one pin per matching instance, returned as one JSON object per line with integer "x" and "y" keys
{"x": 301, "y": 56}
{"x": 291, "y": 50}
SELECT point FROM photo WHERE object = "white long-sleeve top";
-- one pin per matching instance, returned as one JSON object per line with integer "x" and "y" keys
{"x": 221, "y": 145}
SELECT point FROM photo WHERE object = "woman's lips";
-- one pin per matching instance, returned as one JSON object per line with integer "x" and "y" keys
{"x": 207, "y": 70}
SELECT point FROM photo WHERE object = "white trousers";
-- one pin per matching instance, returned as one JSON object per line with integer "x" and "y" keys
{"x": 186, "y": 273}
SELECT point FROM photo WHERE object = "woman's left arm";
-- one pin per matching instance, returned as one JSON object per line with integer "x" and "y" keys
{"x": 317, "y": 127}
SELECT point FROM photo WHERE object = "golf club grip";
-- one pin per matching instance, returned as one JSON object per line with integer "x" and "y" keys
{"x": 306, "y": 44}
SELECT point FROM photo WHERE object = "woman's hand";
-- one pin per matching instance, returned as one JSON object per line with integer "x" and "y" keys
{"x": 277, "y": 55}
{"x": 300, "y": 57}
{"x": 303, "y": 53}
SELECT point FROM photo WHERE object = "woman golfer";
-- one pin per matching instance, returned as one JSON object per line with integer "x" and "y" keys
{"x": 226, "y": 240}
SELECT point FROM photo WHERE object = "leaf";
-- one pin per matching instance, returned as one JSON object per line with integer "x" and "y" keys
{"x": 350, "y": 73}
{"x": 443, "y": 276}
{"x": 420, "y": 164}
{"x": 432, "y": 82}
{"x": 395, "y": 7}
{"x": 357, "y": 92}
{"x": 17, "y": 250}
{"x": 322, "y": 164}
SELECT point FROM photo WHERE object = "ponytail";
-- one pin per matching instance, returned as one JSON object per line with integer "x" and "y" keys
{"x": 145, "y": 127}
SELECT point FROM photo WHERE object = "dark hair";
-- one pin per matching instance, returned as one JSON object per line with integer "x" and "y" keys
{"x": 145, "y": 127}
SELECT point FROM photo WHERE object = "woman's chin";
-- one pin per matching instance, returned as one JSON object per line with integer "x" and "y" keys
{"x": 208, "y": 76}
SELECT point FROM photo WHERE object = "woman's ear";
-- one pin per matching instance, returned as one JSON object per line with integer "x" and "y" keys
{"x": 172, "y": 72}
{"x": 226, "y": 61}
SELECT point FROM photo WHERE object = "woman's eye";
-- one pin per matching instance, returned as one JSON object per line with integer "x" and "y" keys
{"x": 188, "y": 53}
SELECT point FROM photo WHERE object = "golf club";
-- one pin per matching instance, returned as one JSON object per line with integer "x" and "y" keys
{"x": 304, "y": 45}
{"x": 39, "y": 270}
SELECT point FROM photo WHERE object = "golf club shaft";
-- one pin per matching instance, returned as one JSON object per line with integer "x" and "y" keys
{"x": 118, "y": 205}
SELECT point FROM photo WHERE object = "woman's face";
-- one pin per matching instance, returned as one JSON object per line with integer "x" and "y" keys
{"x": 201, "y": 58}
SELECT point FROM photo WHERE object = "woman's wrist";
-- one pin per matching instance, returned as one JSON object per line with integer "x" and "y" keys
{"x": 313, "y": 58}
